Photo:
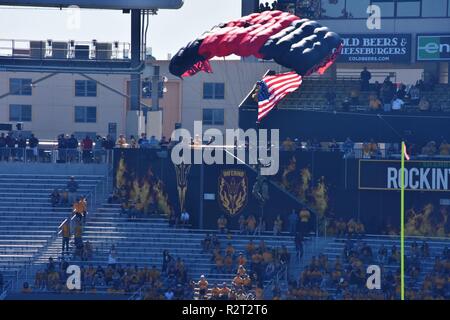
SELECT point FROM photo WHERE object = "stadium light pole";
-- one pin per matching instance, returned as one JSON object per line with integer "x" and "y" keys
{"x": 402, "y": 223}
{"x": 136, "y": 58}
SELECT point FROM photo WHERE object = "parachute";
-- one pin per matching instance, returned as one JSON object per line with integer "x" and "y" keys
{"x": 302, "y": 45}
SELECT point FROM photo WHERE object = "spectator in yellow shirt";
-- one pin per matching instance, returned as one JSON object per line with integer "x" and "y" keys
{"x": 374, "y": 103}
{"x": 242, "y": 224}
{"x": 228, "y": 263}
{"x": 241, "y": 260}
{"x": 26, "y": 288}
{"x": 250, "y": 248}
{"x": 229, "y": 250}
{"x": 65, "y": 230}
{"x": 222, "y": 224}
{"x": 251, "y": 224}
{"x": 444, "y": 148}
{"x": 288, "y": 145}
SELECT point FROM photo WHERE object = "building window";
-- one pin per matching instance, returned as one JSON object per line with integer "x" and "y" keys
{"x": 147, "y": 90}
{"x": 387, "y": 7}
{"x": 20, "y": 87}
{"x": 85, "y": 114}
{"x": 19, "y": 112}
{"x": 357, "y": 8}
{"x": 408, "y": 8}
{"x": 213, "y": 90}
{"x": 333, "y": 9}
{"x": 434, "y": 8}
{"x": 85, "y": 88}
{"x": 213, "y": 117}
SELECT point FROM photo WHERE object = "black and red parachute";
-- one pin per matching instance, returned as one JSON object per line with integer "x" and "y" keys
{"x": 299, "y": 44}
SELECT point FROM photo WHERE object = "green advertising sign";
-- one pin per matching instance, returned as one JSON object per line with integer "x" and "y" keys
{"x": 433, "y": 47}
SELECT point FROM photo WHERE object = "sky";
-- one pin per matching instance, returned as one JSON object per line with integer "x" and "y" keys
{"x": 168, "y": 31}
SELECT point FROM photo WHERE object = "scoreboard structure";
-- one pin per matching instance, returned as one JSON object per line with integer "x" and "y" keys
{"x": 99, "y": 4}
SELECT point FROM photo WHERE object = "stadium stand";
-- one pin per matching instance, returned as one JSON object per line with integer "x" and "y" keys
{"x": 28, "y": 220}
{"x": 322, "y": 279}
{"x": 29, "y": 238}
{"x": 141, "y": 243}
{"x": 313, "y": 95}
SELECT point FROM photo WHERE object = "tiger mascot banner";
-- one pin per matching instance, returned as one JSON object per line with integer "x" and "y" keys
{"x": 233, "y": 191}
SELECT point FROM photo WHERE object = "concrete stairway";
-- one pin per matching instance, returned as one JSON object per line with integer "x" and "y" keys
{"x": 28, "y": 222}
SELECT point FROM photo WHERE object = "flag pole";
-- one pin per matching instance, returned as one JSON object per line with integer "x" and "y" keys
{"x": 402, "y": 222}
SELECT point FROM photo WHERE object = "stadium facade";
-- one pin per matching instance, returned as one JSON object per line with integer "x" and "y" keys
{"x": 410, "y": 39}
{"x": 211, "y": 98}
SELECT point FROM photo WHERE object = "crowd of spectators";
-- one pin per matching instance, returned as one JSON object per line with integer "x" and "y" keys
{"x": 143, "y": 142}
{"x": 246, "y": 225}
{"x": 345, "y": 277}
{"x": 167, "y": 284}
{"x": 260, "y": 261}
{"x": 86, "y": 150}
{"x": 304, "y": 8}
{"x": 269, "y": 6}
{"x": 251, "y": 226}
{"x": 340, "y": 227}
{"x": 370, "y": 149}
{"x": 390, "y": 97}
{"x": 18, "y": 147}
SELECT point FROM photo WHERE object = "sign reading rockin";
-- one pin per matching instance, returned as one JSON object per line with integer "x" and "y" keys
{"x": 419, "y": 175}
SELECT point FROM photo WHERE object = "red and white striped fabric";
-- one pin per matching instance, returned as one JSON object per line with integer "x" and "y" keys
{"x": 405, "y": 151}
{"x": 274, "y": 88}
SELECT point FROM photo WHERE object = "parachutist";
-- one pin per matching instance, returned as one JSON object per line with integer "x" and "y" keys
{"x": 261, "y": 188}
{"x": 302, "y": 45}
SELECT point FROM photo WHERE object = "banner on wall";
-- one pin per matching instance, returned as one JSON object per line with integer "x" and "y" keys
{"x": 182, "y": 172}
{"x": 433, "y": 47}
{"x": 382, "y": 48}
{"x": 232, "y": 191}
{"x": 419, "y": 175}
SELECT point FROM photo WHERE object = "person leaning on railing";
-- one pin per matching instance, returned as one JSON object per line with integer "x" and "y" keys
{"x": 3, "y": 145}
{"x": 121, "y": 142}
{"x": 21, "y": 147}
{"x": 33, "y": 143}
{"x": 11, "y": 144}
{"x": 86, "y": 146}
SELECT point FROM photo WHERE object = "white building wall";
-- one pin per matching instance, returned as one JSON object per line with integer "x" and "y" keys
{"x": 53, "y": 104}
{"x": 239, "y": 78}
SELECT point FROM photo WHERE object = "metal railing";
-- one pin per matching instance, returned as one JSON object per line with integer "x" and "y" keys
{"x": 281, "y": 274}
{"x": 102, "y": 156}
{"x": 356, "y": 75}
{"x": 65, "y": 50}
{"x": 52, "y": 155}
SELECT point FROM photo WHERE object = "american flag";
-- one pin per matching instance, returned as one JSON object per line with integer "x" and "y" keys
{"x": 272, "y": 89}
